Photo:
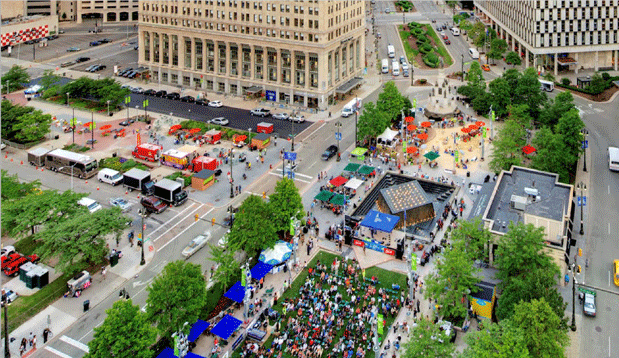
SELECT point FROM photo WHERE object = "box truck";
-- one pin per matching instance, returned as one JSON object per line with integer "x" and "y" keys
{"x": 396, "y": 68}
{"x": 385, "y": 66}
{"x": 170, "y": 192}
{"x": 138, "y": 179}
{"x": 351, "y": 107}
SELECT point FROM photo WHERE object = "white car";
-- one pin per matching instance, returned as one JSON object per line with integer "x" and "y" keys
{"x": 220, "y": 121}
{"x": 283, "y": 116}
{"x": 589, "y": 304}
{"x": 196, "y": 244}
{"x": 298, "y": 118}
{"x": 215, "y": 104}
{"x": 121, "y": 203}
{"x": 7, "y": 250}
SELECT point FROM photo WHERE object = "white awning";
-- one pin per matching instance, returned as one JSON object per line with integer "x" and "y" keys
{"x": 353, "y": 183}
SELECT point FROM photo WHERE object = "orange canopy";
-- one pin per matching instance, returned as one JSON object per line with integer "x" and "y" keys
{"x": 426, "y": 124}
{"x": 411, "y": 150}
{"x": 411, "y": 127}
{"x": 422, "y": 136}
{"x": 480, "y": 123}
{"x": 409, "y": 119}
{"x": 465, "y": 130}
{"x": 107, "y": 126}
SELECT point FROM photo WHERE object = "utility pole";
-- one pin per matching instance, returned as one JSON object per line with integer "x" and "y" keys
{"x": 7, "y": 353}
{"x": 231, "y": 179}
{"x": 585, "y": 132}
{"x": 142, "y": 215}
{"x": 582, "y": 187}
{"x": 356, "y": 113}
{"x": 338, "y": 135}
{"x": 92, "y": 129}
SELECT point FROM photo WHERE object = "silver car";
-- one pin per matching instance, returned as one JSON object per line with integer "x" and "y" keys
{"x": 196, "y": 244}
{"x": 121, "y": 203}
{"x": 8, "y": 296}
{"x": 298, "y": 118}
{"x": 589, "y": 304}
{"x": 283, "y": 116}
{"x": 220, "y": 121}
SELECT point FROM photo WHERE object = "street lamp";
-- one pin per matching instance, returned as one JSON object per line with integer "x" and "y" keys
{"x": 338, "y": 135}
{"x": 292, "y": 144}
{"x": 582, "y": 187}
{"x": 67, "y": 99}
{"x": 585, "y": 132}
{"x": 5, "y": 303}
{"x": 72, "y": 166}
{"x": 231, "y": 180}
{"x": 573, "y": 325}
{"x": 462, "y": 67}
{"x": 143, "y": 213}
{"x": 108, "y": 108}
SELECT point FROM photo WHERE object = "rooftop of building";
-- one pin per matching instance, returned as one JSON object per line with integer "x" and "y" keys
{"x": 527, "y": 191}
{"x": 404, "y": 196}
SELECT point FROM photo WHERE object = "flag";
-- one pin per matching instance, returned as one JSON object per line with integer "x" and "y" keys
{"x": 92, "y": 125}
{"x": 176, "y": 345}
{"x": 73, "y": 122}
{"x": 127, "y": 99}
{"x": 244, "y": 278}
{"x": 414, "y": 104}
{"x": 363, "y": 274}
{"x": 380, "y": 323}
{"x": 404, "y": 146}
{"x": 414, "y": 261}
{"x": 483, "y": 131}
{"x": 493, "y": 116}
{"x": 139, "y": 139}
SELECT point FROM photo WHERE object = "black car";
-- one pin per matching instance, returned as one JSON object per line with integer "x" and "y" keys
{"x": 51, "y": 37}
{"x": 95, "y": 43}
{"x": 161, "y": 93}
{"x": 218, "y": 172}
{"x": 82, "y": 59}
{"x": 173, "y": 95}
{"x": 105, "y": 41}
{"x": 330, "y": 152}
{"x": 188, "y": 99}
{"x": 125, "y": 71}
{"x": 132, "y": 74}
{"x": 202, "y": 101}
{"x": 150, "y": 92}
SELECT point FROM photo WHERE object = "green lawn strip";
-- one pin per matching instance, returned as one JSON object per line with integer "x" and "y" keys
{"x": 440, "y": 46}
{"x": 386, "y": 279}
{"x": 26, "y": 307}
{"x": 410, "y": 52}
{"x": 26, "y": 245}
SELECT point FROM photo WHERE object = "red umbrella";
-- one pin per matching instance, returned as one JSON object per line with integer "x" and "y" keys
{"x": 411, "y": 150}
{"x": 422, "y": 136}
{"x": 411, "y": 127}
{"x": 465, "y": 130}
{"x": 338, "y": 181}
{"x": 426, "y": 124}
{"x": 527, "y": 149}
{"x": 473, "y": 127}
{"x": 480, "y": 124}
{"x": 176, "y": 127}
{"x": 87, "y": 124}
{"x": 409, "y": 119}
{"x": 107, "y": 126}
{"x": 194, "y": 130}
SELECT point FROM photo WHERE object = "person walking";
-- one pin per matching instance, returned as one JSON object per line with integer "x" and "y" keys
{"x": 34, "y": 342}
{"x": 103, "y": 272}
{"x": 22, "y": 346}
{"x": 45, "y": 335}
{"x": 30, "y": 337}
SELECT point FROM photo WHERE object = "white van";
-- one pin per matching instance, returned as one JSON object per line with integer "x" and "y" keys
{"x": 613, "y": 159}
{"x": 455, "y": 31}
{"x": 351, "y": 107}
{"x": 474, "y": 53}
{"x": 110, "y": 176}
{"x": 385, "y": 66}
{"x": 395, "y": 68}
{"x": 547, "y": 86}
{"x": 92, "y": 205}
{"x": 391, "y": 51}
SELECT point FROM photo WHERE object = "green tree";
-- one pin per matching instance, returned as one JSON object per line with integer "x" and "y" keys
{"x": 176, "y": 296}
{"x": 32, "y": 126}
{"x": 372, "y": 122}
{"x": 497, "y": 49}
{"x": 500, "y": 94}
{"x": 475, "y": 237}
{"x": 478, "y": 30}
{"x": 125, "y": 332}
{"x": 476, "y": 85}
{"x": 482, "y": 102}
{"x": 391, "y": 102}
{"x": 79, "y": 241}
{"x": 569, "y": 128}
{"x": 528, "y": 92}
{"x": 597, "y": 85}
{"x": 253, "y": 229}
{"x": 543, "y": 332}
{"x": 13, "y": 189}
{"x": 507, "y": 146}
{"x": 453, "y": 280}
{"x": 228, "y": 269}
{"x": 554, "y": 108}
{"x": 548, "y": 76}
{"x": 17, "y": 78}
{"x": 513, "y": 58}
{"x": 550, "y": 155}
{"x": 502, "y": 340}
{"x": 10, "y": 117}
{"x": 423, "y": 342}
{"x": 284, "y": 203}
{"x": 49, "y": 79}
{"x": 512, "y": 76}
{"x": 521, "y": 114}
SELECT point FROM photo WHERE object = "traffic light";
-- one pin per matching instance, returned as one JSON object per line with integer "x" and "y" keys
{"x": 197, "y": 217}
{"x": 578, "y": 269}
{"x": 139, "y": 235}
{"x": 579, "y": 251}
{"x": 213, "y": 222}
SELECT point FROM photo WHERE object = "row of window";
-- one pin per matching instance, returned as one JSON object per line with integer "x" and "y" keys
{"x": 258, "y": 5}
{"x": 576, "y": 39}
{"x": 575, "y": 25}
{"x": 575, "y": 3}
{"x": 607, "y": 12}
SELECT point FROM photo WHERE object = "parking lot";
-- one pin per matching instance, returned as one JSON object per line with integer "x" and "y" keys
{"x": 126, "y": 57}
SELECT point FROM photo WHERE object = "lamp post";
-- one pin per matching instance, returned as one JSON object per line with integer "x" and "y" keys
{"x": 143, "y": 213}
{"x": 67, "y": 99}
{"x": 73, "y": 125}
{"x": 108, "y": 108}
{"x": 5, "y": 301}
{"x": 462, "y": 67}
{"x": 582, "y": 187}
{"x": 585, "y": 132}
{"x": 573, "y": 325}
{"x": 292, "y": 144}
{"x": 231, "y": 180}
{"x": 356, "y": 113}
{"x": 338, "y": 134}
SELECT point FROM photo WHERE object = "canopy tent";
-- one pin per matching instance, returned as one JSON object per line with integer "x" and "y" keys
{"x": 527, "y": 149}
{"x": 353, "y": 183}
{"x": 411, "y": 150}
{"x": 358, "y": 151}
{"x": 426, "y": 124}
{"x": 480, "y": 123}
{"x": 387, "y": 136}
{"x": 465, "y": 129}
{"x": 352, "y": 167}
{"x": 338, "y": 181}
{"x": 277, "y": 255}
{"x": 260, "y": 270}
{"x": 240, "y": 138}
{"x": 422, "y": 136}
{"x": 473, "y": 127}
{"x": 197, "y": 329}
{"x": 324, "y": 195}
{"x": 411, "y": 127}
{"x": 236, "y": 292}
{"x": 167, "y": 353}
{"x": 409, "y": 119}
{"x": 226, "y": 326}
{"x": 338, "y": 199}
{"x": 365, "y": 170}
{"x": 380, "y": 221}
{"x": 431, "y": 155}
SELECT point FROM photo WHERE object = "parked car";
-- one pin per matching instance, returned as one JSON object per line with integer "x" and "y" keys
{"x": 150, "y": 92}
{"x": 67, "y": 64}
{"x": 94, "y": 43}
{"x": 589, "y": 304}
{"x": 104, "y": 41}
{"x": 87, "y": 69}
{"x": 330, "y": 152}
{"x": 124, "y": 71}
{"x": 378, "y": 35}
{"x": 173, "y": 95}
{"x": 188, "y": 99}
{"x": 445, "y": 37}
{"x": 215, "y": 104}
{"x": 124, "y": 123}
{"x": 98, "y": 68}
{"x": 485, "y": 67}
{"x": 447, "y": 42}
{"x": 51, "y": 37}
{"x": 262, "y": 112}
{"x": 82, "y": 59}
{"x": 7, "y": 250}
{"x": 121, "y": 203}
{"x": 8, "y": 296}
{"x": 137, "y": 90}
{"x": 153, "y": 205}
{"x": 202, "y": 101}
{"x": 73, "y": 49}
{"x": 283, "y": 116}
{"x": 132, "y": 74}
{"x": 220, "y": 121}
{"x": 402, "y": 60}
{"x": 196, "y": 244}
{"x": 298, "y": 118}
{"x": 161, "y": 93}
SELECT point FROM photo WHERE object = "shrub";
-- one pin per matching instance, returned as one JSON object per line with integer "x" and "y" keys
{"x": 422, "y": 40}
{"x": 423, "y": 81}
{"x": 566, "y": 81}
{"x": 413, "y": 25}
{"x": 418, "y": 31}
{"x": 605, "y": 76}
{"x": 121, "y": 166}
{"x": 186, "y": 179}
{"x": 431, "y": 59}
{"x": 425, "y": 48}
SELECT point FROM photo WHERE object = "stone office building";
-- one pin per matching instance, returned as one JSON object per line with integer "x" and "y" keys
{"x": 303, "y": 53}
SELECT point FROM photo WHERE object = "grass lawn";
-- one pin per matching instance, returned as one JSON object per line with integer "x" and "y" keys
{"x": 411, "y": 53}
{"x": 386, "y": 279}
{"x": 440, "y": 46}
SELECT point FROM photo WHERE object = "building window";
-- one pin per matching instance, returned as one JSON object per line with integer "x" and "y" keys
{"x": 330, "y": 69}
{"x": 246, "y": 62}
{"x": 174, "y": 50}
{"x": 199, "y": 54}
{"x": 174, "y": 79}
{"x": 222, "y": 58}
{"x": 344, "y": 71}
{"x": 186, "y": 81}
{"x": 234, "y": 89}
{"x": 164, "y": 77}
{"x": 272, "y": 64}
{"x": 234, "y": 60}
{"x": 146, "y": 46}
{"x": 258, "y": 67}
{"x": 336, "y": 59}
{"x": 221, "y": 87}
{"x": 209, "y": 85}
{"x": 166, "y": 49}
{"x": 300, "y": 69}
{"x": 187, "y": 52}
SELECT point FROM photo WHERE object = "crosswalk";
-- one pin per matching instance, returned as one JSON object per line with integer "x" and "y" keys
{"x": 60, "y": 349}
{"x": 589, "y": 110}
{"x": 297, "y": 176}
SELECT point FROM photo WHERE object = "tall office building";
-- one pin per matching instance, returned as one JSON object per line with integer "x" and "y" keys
{"x": 101, "y": 10}
{"x": 557, "y": 34}
{"x": 300, "y": 52}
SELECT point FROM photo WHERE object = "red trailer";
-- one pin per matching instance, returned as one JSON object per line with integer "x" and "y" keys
{"x": 203, "y": 162}
{"x": 148, "y": 151}
{"x": 212, "y": 137}
{"x": 264, "y": 127}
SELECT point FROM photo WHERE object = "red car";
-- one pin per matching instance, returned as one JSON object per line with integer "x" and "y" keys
{"x": 445, "y": 37}
{"x": 447, "y": 42}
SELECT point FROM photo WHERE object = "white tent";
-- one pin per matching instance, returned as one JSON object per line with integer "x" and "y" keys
{"x": 353, "y": 183}
{"x": 387, "y": 138}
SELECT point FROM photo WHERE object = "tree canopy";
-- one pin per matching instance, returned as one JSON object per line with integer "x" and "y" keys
{"x": 17, "y": 78}
{"x": 23, "y": 124}
{"x": 529, "y": 92}
{"x": 13, "y": 189}
{"x": 423, "y": 342}
{"x": 508, "y": 146}
{"x": 284, "y": 203}
{"x": 475, "y": 237}
{"x": 372, "y": 122}
{"x": 103, "y": 90}
{"x": 513, "y": 58}
{"x": 391, "y": 102}
{"x": 253, "y": 229}
{"x": 176, "y": 296}
{"x": 228, "y": 269}
{"x": 543, "y": 332}
{"x": 497, "y": 49}
{"x": 125, "y": 332}
{"x": 554, "y": 108}
{"x": 496, "y": 340}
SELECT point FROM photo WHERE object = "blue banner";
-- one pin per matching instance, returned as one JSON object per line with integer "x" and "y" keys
{"x": 290, "y": 156}
{"x": 271, "y": 96}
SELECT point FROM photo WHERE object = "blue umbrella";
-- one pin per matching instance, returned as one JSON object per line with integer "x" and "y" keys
{"x": 278, "y": 254}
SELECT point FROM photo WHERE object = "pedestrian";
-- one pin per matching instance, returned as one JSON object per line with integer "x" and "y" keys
{"x": 31, "y": 336}
{"x": 34, "y": 342}
{"x": 45, "y": 334}
{"x": 103, "y": 272}
{"x": 309, "y": 248}
{"x": 22, "y": 346}
{"x": 364, "y": 249}
{"x": 212, "y": 270}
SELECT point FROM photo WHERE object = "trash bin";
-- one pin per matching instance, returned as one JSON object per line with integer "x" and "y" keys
{"x": 468, "y": 174}
{"x": 86, "y": 305}
{"x": 113, "y": 260}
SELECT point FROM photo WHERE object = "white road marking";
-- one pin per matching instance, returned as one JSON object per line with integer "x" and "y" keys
{"x": 295, "y": 174}
{"x": 57, "y": 352}
{"x": 75, "y": 343}
{"x": 165, "y": 232}
{"x": 609, "y": 190}
{"x": 89, "y": 332}
{"x": 180, "y": 233}
{"x": 301, "y": 180}
{"x": 609, "y": 278}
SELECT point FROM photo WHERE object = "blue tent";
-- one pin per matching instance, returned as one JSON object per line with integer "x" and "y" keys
{"x": 192, "y": 355}
{"x": 379, "y": 221}
{"x": 226, "y": 326}
{"x": 260, "y": 270}
{"x": 197, "y": 329}
{"x": 167, "y": 353}
{"x": 236, "y": 293}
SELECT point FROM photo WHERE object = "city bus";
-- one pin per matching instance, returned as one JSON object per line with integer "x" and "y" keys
{"x": 70, "y": 163}
{"x": 613, "y": 159}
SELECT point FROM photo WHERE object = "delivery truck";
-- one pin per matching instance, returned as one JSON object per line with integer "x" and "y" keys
{"x": 171, "y": 192}
{"x": 147, "y": 151}
{"x": 351, "y": 107}
{"x": 138, "y": 179}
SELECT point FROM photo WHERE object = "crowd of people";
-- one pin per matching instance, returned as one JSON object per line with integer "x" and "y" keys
{"x": 332, "y": 315}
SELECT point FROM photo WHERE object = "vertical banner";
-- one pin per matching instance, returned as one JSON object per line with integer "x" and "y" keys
{"x": 380, "y": 323}
{"x": 414, "y": 261}
{"x": 139, "y": 139}
{"x": 291, "y": 227}
{"x": 244, "y": 278}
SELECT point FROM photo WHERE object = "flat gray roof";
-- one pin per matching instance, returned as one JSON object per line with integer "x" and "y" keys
{"x": 551, "y": 200}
